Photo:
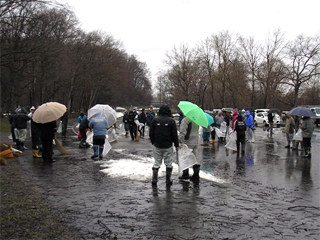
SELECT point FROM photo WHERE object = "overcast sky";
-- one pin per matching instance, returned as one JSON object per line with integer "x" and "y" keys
{"x": 150, "y": 28}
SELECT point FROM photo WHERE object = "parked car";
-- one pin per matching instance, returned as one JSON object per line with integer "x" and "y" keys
{"x": 262, "y": 119}
{"x": 316, "y": 111}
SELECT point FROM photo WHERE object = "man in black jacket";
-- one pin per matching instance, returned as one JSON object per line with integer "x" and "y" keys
{"x": 163, "y": 133}
{"x": 20, "y": 122}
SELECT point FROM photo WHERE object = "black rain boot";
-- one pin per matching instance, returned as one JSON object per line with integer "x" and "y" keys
{"x": 195, "y": 176}
{"x": 101, "y": 152}
{"x": 288, "y": 146}
{"x": 155, "y": 176}
{"x": 185, "y": 174}
{"x": 168, "y": 176}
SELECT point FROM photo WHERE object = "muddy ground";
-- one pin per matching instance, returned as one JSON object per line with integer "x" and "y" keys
{"x": 270, "y": 193}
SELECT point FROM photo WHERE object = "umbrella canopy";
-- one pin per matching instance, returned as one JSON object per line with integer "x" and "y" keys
{"x": 302, "y": 112}
{"x": 49, "y": 112}
{"x": 194, "y": 113}
{"x": 103, "y": 110}
{"x": 274, "y": 110}
{"x": 210, "y": 119}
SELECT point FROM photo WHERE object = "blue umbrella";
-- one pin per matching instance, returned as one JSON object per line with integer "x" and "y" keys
{"x": 210, "y": 119}
{"x": 302, "y": 112}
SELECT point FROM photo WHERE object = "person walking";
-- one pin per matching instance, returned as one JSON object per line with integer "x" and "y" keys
{"x": 163, "y": 134}
{"x": 270, "y": 120}
{"x": 234, "y": 118}
{"x": 99, "y": 125}
{"x": 11, "y": 121}
{"x": 307, "y": 131}
{"x": 125, "y": 120}
{"x": 47, "y": 131}
{"x": 133, "y": 126}
{"x": 189, "y": 135}
{"x": 289, "y": 129}
{"x": 83, "y": 128}
{"x": 240, "y": 128}
{"x": 142, "y": 120}
{"x": 21, "y": 123}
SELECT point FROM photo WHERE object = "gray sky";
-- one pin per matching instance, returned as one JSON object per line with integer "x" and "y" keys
{"x": 150, "y": 28}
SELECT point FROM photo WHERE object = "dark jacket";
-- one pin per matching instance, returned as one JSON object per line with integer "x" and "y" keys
{"x": 142, "y": 117}
{"x": 163, "y": 130}
{"x": 240, "y": 128}
{"x": 47, "y": 130}
{"x": 132, "y": 116}
{"x": 84, "y": 124}
{"x": 20, "y": 121}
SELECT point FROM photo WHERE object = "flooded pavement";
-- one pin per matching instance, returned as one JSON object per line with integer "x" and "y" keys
{"x": 269, "y": 193}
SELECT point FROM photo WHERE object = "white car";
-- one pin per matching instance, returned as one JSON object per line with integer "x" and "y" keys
{"x": 261, "y": 118}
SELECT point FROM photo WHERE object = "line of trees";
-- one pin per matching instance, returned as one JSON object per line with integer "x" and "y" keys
{"x": 228, "y": 70}
{"x": 45, "y": 56}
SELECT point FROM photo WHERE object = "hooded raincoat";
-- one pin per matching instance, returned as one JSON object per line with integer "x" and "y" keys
{"x": 249, "y": 120}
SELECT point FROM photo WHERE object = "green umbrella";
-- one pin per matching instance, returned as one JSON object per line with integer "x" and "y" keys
{"x": 194, "y": 113}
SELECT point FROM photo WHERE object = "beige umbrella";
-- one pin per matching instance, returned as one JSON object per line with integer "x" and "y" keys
{"x": 49, "y": 112}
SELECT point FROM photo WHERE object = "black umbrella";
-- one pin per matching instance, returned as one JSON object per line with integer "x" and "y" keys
{"x": 302, "y": 112}
{"x": 274, "y": 110}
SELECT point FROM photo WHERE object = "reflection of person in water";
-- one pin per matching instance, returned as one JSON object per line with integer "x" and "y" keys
{"x": 249, "y": 155}
{"x": 306, "y": 180}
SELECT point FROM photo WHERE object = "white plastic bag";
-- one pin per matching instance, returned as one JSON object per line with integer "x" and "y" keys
{"x": 106, "y": 148}
{"x": 232, "y": 143}
{"x": 59, "y": 130}
{"x": 223, "y": 128}
{"x": 186, "y": 158}
{"x": 298, "y": 135}
{"x": 218, "y": 132}
{"x": 249, "y": 135}
{"x": 89, "y": 139}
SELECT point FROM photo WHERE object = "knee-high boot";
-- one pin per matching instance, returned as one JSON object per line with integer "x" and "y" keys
{"x": 196, "y": 170}
{"x": 185, "y": 174}
{"x": 155, "y": 176}
{"x": 95, "y": 151}
{"x": 168, "y": 176}
{"x": 100, "y": 152}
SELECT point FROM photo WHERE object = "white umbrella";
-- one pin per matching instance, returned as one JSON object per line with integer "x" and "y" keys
{"x": 103, "y": 110}
{"x": 49, "y": 112}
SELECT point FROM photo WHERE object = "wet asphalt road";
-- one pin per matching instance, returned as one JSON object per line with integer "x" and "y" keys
{"x": 270, "y": 193}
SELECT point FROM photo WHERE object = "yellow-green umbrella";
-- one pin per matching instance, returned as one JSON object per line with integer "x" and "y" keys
{"x": 194, "y": 113}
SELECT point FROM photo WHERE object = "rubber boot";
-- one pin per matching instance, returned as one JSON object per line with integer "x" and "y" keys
{"x": 36, "y": 153}
{"x": 155, "y": 176}
{"x": 307, "y": 153}
{"x": 196, "y": 170}
{"x": 101, "y": 152}
{"x": 168, "y": 176}
{"x": 288, "y": 146}
{"x": 185, "y": 174}
{"x": 95, "y": 151}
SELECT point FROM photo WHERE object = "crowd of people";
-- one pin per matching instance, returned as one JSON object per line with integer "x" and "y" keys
{"x": 163, "y": 133}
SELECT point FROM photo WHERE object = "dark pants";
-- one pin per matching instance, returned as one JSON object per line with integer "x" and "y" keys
{"x": 142, "y": 131}
{"x": 13, "y": 134}
{"x": 64, "y": 129}
{"x": 306, "y": 142}
{"x": 98, "y": 144}
{"x": 47, "y": 149}
{"x": 133, "y": 132}
{"x": 241, "y": 140}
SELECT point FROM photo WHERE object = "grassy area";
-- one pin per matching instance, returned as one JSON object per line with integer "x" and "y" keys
{"x": 4, "y": 125}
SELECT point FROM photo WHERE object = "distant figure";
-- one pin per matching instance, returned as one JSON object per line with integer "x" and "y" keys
{"x": 133, "y": 128}
{"x": 289, "y": 129}
{"x": 240, "y": 128}
{"x": 64, "y": 122}
{"x": 163, "y": 134}
{"x": 125, "y": 121}
{"x": 83, "y": 127}
{"x": 270, "y": 120}
{"x": 307, "y": 131}
{"x": 80, "y": 117}
{"x": 11, "y": 121}
{"x": 35, "y": 136}
{"x": 142, "y": 120}
{"x": 20, "y": 122}
{"x": 99, "y": 125}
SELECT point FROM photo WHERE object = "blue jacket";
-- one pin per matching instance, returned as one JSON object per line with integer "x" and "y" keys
{"x": 99, "y": 125}
{"x": 249, "y": 120}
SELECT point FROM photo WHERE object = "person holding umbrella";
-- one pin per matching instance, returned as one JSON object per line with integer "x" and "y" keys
{"x": 99, "y": 124}
{"x": 289, "y": 129}
{"x": 189, "y": 133}
{"x": 307, "y": 131}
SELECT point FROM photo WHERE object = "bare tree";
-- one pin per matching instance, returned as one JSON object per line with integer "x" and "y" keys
{"x": 303, "y": 65}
